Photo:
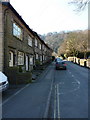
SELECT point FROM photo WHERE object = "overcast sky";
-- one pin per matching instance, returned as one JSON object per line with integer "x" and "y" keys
{"x": 45, "y": 16}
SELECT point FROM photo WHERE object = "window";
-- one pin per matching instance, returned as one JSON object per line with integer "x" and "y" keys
{"x": 29, "y": 41}
{"x": 41, "y": 58}
{"x": 35, "y": 42}
{"x": 39, "y": 46}
{"x": 43, "y": 47}
{"x": 17, "y": 31}
{"x": 36, "y": 56}
{"x": 31, "y": 60}
{"x": 20, "y": 58}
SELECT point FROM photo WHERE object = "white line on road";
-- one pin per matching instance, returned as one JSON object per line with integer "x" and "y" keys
{"x": 14, "y": 95}
{"x": 55, "y": 104}
{"x": 58, "y": 105}
{"x": 74, "y": 77}
{"x": 61, "y": 83}
{"x": 48, "y": 100}
{"x": 77, "y": 81}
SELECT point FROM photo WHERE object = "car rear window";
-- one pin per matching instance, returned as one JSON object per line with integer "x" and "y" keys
{"x": 60, "y": 62}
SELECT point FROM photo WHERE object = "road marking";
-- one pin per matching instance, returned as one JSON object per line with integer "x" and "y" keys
{"x": 69, "y": 71}
{"x": 14, "y": 94}
{"x": 58, "y": 105}
{"x": 48, "y": 100}
{"x": 77, "y": 81}
{"x": 61, "y": 83}
{"x": 74, "y": 77}
{"x": 74, "y": 82}
{"x": 55, "y": 104}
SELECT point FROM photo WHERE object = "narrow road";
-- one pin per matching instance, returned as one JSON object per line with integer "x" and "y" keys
{"x": 69, "y": 96}
{"x": 70, "y": 93}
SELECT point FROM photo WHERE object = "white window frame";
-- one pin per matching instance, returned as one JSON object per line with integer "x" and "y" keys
{"x": 31, "y": 60}
{"x": 37, "y": 56}
{"x": 20, "y": 58}
{"x": 40, "y": 46}
{"x": 36, "y": 42}
{"x": 41, "y": 58}
{"x": 17, "y": 31}
{"x": 29, "y": 41}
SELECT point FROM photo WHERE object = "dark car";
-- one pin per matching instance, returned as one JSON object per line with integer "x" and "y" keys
{"x": 61, "y": 65}
{"x": 58, "y": 59}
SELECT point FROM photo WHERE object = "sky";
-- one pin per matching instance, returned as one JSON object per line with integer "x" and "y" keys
{"x": 44, "y": 16}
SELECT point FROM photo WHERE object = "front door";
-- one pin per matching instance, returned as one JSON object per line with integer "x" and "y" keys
{"x": 10, "y": 59}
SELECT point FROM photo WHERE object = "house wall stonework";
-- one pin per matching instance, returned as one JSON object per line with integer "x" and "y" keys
{"x": 1, "y": 39}
{"x": 16, "y": 54}
{"x": 12, "y": 43}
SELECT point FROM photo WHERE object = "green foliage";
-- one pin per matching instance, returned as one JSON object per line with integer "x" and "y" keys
{"x": 16, "y": 77}
{"x": 37, "y": 63}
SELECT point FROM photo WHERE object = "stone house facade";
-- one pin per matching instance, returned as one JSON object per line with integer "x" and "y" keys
{"x": 20, "y": 47}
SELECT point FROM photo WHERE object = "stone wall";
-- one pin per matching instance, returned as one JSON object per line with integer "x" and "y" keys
{"x": 1, "y": 39}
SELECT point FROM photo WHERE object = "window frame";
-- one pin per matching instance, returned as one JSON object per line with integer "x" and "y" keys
{"x": 20, "y": 58}
{"x": 17, "y": 31}
{"x": 36, "y": 42}
{"x": 30, "y": 41}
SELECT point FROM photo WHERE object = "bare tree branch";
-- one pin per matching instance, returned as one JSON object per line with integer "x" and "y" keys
{"x": 80, "y": 4}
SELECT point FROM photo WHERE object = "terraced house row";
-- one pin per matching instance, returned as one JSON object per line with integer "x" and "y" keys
{"x": 20, "y": 47}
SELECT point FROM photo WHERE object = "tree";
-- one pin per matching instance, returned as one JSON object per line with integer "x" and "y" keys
{"x": 83, "y": 43}
{"x": 75, "y": 43}
{"x": 81, "y": 4}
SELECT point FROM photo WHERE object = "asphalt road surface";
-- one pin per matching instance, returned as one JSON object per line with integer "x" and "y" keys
{"x": 68, "y": 90}
{"x": 32, "y": 100}
{"x": 70, "y": 93}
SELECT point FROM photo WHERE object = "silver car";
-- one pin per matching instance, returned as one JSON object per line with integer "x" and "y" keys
{"x": 3, "y": 82}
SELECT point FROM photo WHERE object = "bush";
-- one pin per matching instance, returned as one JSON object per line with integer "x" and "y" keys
{"x": 37, "y": 63}
{"x": 16, "y": 77}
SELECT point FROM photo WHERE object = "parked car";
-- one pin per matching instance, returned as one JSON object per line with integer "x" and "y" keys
{"x": 58, "y": 59}
{"x": 3, "y": 82}
{"x": 61, "y": 65}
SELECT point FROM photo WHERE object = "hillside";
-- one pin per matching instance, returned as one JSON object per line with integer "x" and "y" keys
{"x": 54, "y": 39}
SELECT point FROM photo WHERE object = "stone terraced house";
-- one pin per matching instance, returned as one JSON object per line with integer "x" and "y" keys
{"x": 20, "y": 47}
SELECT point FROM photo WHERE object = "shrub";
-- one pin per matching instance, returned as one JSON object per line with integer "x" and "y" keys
{"x": 16, "y": 77}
